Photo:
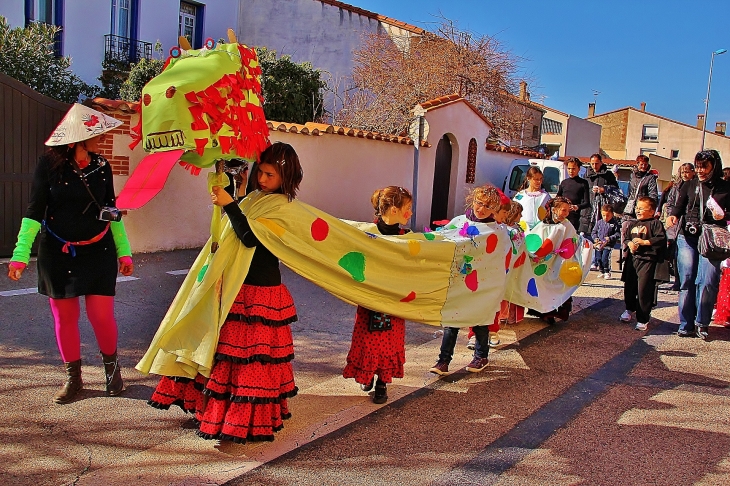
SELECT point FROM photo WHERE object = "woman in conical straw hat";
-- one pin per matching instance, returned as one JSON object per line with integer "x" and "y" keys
{"x": 82, "y": 241}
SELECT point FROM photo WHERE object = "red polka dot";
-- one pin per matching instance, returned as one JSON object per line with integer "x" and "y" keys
{"x": 547, "y": 247}
{"x": 409, "y": 297}
{"x": 492, "y": 242}
{"x": 320, "y": 229}
{"x": 520, "y": 260}
{"x": 471, "y": 281}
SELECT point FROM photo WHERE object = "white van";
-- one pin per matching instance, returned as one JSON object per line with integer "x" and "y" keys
{"x": 553, "y": 173}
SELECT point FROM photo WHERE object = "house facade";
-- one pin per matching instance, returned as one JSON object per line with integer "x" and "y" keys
{"x": 628, "y": 132}
{"x": 569, "y": 135}
{"x": 123, "y": 30}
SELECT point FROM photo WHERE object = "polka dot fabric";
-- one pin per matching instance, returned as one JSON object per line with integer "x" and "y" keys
{"x": 252, "y": 375}
{"x": 379, "y": 353}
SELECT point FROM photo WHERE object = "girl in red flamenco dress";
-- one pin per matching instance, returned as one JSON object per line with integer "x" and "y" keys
{"x": 378, "y": 340}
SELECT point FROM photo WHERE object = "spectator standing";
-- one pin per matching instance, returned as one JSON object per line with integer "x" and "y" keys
{"x": 598, "y": 177}
{"x": 575, "y": 189}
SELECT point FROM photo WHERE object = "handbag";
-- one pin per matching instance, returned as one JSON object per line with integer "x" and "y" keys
{"x": 714, "y": 242}
{"x": 379, "y": 322}
{"x": 615, "y": 198}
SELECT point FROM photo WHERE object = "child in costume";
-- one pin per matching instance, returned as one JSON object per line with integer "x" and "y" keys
{"x": 83, "y": 242}
{"x": 605, "y": 234}
{"x": 502, "y": 217}
{"x": 559, "y": 209}
{"x": 533, "y": 199}
{"x": 378, "y": 340}
{"x": 644, "y": 250}
{"x": 483, "y": 203}
{"x": 245, "y": 398}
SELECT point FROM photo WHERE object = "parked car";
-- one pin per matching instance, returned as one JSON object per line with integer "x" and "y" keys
{"x": 553, "y": 173}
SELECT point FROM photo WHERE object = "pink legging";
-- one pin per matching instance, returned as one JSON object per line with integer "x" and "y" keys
{"x": 99, "y": 310}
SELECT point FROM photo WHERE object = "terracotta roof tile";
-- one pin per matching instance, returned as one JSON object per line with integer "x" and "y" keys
{"x": 442, "y": 101}
{"x": 373, "y": 15}
{"x": 319, "y": 129}
{"x": 655, "y": 116}
{"x": 514, "y": 150}
{"x": 105, "y": 105}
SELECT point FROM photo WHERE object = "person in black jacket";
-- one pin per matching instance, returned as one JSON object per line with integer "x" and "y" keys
{"x": 598, "y": 177}
{"x": 666, "y": 205}
{"x": 699, "y": 277}
{"x": 576, "y": 189}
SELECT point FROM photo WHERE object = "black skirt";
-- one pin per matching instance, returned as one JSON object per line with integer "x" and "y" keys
{"x": 93, "y": 271}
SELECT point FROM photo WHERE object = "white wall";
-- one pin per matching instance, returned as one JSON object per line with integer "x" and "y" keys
{"x": 583, "y": 138}
{"x": 85, "y": 23}
{"x": 14, "y": 12}
{"x": 492, "y": 167}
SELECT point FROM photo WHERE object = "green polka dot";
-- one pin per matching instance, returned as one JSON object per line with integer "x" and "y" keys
{"x": 533, "y": 242}
{"x": 429, "y": 236}
{"x": 354, "y": 263}
{"x": 202, "y": 272}
{"x": 540, "y": 269}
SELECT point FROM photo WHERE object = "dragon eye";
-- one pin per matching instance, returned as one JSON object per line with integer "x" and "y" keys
{"x": 170, "y": 92}
{"x": 146, "y": 99}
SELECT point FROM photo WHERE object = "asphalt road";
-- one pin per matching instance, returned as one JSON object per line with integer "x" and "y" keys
{"x": 590, "y": 401}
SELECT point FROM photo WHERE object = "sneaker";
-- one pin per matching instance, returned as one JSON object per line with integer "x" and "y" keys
{"x": 477, "y": 364}
{"x": 641, "y": 326}
{"x": 607, "y": 275}
{"x": 494, "y": 339}
{"x": 440, "y": 368}
{"x": 472, "y": 342}
{"x": 627, "y": 316}
{"x": 594, "y": 267}
{"x": 702, "y": 332}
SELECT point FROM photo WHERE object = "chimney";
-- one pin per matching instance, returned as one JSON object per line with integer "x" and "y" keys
{"x": 591, "y": 109}
{"x": 720, "y": 128}
{"x": 643, "y": 106}
{"x": 700, "y": 121}
{"x": 524, "y": 94}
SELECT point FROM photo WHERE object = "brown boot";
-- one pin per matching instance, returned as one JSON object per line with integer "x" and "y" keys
{"x": 73, "y": 383}
{"x": 114, "y": 383}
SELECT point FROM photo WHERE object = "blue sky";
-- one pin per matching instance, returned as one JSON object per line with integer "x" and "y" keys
{"x": 657, "y": 51}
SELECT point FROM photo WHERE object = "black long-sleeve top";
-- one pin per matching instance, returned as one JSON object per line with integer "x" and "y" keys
{"x": 647, "y": 229}
{"x": 264, "y": 270}
{"x": 576, "y": 189}
{"x": 59, "y": 196}
{"x": 688, "y": 201}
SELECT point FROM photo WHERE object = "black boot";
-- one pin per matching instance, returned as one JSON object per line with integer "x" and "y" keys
{"x": 73, "y": 383}
{"x": 381, "y": 392}
{"x": 114, "y": 383}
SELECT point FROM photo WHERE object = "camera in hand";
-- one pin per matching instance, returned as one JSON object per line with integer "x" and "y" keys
{"x": 692, "y": 227}
{"x": 108, "y": 213}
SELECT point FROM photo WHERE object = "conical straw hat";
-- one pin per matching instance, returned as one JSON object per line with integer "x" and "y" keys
{"x": 81, "y": 123}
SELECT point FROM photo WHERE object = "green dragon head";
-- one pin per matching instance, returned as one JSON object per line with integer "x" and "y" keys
{"x": 208, "y": 103}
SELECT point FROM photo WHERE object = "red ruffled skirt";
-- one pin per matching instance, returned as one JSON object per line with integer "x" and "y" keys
{"x": 722, "y": 315}
{"x": 245, "y": 398}
{"x": 381, "y": 353}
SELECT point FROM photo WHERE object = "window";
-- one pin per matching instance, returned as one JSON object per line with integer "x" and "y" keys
{"x": 551, "y": 179}
{"x": 535, "y": 132}
{"x": 120, "y": 18}
{"x": 187, "y": 25}
{"x": 675, "y": 154}
{"x": 39, "y": 11}
{"x": 517, "y": 177}
{"x": 650, "y": 133}
{"x": 647, "y": 151}
{"x": 551, "y": 126}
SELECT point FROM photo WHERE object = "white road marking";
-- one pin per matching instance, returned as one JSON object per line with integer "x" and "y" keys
{"x": 179, "y": 272}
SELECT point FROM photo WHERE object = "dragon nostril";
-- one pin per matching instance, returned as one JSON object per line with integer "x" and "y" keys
{"x": 147, "y": 99}
{"x": 170, "y": 92}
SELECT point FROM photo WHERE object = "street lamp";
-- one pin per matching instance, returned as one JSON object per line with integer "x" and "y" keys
{"x": 707, "y": 100}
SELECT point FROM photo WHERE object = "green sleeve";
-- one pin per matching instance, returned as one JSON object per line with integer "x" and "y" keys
{"x": 29, "y": 228}
{"x": 120, "y": 239}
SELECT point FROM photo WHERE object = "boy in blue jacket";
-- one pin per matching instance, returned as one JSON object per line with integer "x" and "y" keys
{"x": 605, "y": 233}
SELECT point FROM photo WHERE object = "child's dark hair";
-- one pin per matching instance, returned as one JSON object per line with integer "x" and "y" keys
{"x": 286, "y": 161}
{"x": 531, "y": 172}
{"x": 648, "y": 200}
{"x": 607, "y": 207}
{"x": 574, "y": 160}
{"x": 551, "y": 204}
{"x": 390, "y": 197}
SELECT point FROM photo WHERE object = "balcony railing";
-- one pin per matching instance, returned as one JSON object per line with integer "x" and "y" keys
{"x": 125, "y": 50}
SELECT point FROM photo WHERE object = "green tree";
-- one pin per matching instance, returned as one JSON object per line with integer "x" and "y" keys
{"x": 139, "y": 75}
{"x": 27, "y": 55}
{"x": 292, "y": 92}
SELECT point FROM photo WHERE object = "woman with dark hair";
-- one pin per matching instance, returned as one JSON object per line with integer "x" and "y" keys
{"x": 82, "y": 245}
{"x": 576, "y": 189}
{"x": 705, "y": 199}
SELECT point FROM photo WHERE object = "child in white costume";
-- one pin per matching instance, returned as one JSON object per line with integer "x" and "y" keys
{"x": 533, "y": 199}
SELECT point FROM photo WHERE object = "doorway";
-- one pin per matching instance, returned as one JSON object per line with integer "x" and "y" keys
{"x": 441, "y": 181}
